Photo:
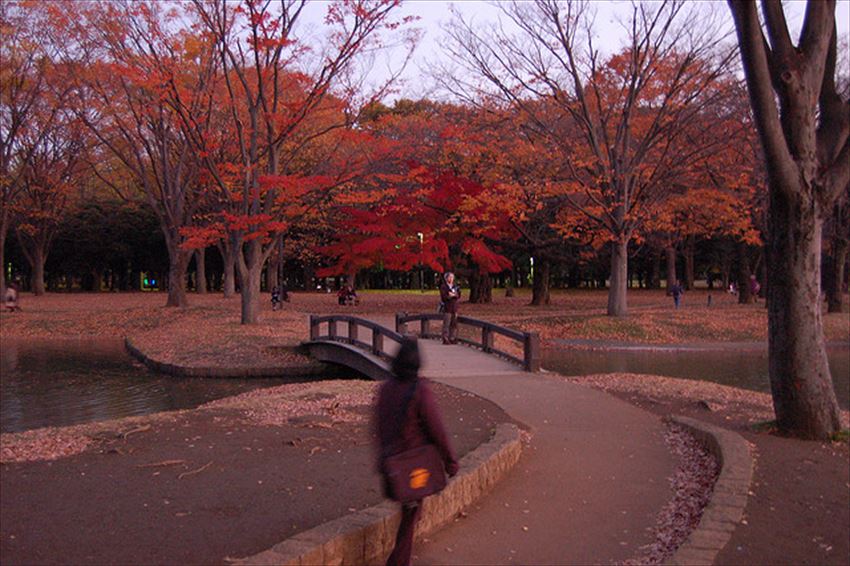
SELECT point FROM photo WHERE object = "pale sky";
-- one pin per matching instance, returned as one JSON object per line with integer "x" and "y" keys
{"x": 434, "y": 13}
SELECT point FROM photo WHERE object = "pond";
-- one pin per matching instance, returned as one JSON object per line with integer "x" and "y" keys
{"x": 65, "y": 382}
{"x": 740, "y": 368}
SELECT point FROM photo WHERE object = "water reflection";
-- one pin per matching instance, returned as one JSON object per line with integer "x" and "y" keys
{"x": 64, "y": 382}
{"x": 747, "y": 369}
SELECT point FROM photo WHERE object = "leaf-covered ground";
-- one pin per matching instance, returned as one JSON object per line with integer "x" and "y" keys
{"x": 209, "y": 333}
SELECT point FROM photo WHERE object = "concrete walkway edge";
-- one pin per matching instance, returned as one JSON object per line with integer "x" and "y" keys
{"x": 368, "y": 536}
{"x": 725, "y": 509}
{"x": 311, "y": 369}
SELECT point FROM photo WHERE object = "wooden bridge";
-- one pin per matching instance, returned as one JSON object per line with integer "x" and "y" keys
{"x": 368, "y": 347}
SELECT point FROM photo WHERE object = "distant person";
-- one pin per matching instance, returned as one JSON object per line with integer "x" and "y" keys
{"x": 276, "y": 299}
{"x": 406, "y": 417}
{"x": 755, "y": 288}
{"x": 733, "y": 288}
{"x": 284, "y": 294}
{"x": 449, "y": 296}
{"x": 677, "y": 291}
{"x": 347, "y": 295}
{"x": 11, "y": 298}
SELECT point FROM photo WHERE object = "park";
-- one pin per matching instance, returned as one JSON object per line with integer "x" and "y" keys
{"x": 616, "y": 236}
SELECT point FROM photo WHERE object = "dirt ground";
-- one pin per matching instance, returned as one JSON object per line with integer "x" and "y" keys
{"x": 799, "y": 509}
{"x": 226, "y": 480}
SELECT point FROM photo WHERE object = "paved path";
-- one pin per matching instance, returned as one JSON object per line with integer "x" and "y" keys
{"x": 588, "y": 487}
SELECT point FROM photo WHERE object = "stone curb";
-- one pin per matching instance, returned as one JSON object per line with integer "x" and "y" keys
{"x": 368, "y": 536}
{"x": 303, "y": 370}
{"x": 728, "y": 500}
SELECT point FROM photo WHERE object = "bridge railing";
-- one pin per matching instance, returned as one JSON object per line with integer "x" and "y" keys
{"x": 353, "y": 325}
{"x": 529, "y": 341}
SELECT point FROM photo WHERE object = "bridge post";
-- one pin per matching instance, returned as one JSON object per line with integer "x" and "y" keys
{"x": 314, "y": 327}
{"x": 425, "y": 331}
{"x": 352, "y": 331}
{"x": 332, "y": 329}
{"x": 400, "y": 327}
{"x": 377, "y": 342}
{"x": 532, "y": 351}
{"x": 487, "y": 339}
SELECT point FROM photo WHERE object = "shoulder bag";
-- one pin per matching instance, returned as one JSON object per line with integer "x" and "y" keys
{"x": 415, "y": 473}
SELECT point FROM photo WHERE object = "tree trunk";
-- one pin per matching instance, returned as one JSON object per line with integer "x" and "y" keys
{"x": 617, "y": 305}
{"x": 201, "y": 271}
{"x": 670, "y": 252}
{"x": 654, "y": 281}
{"x": 689, "y": 263}
{"x": 250, "y": 275}
{"x": 4, "y": 230}
{"x": 310, "y": 274}
{"x": 480, "y": 287}
{"x": 178, "y": 264}
{"x": 800, "y": 380}
{"x": 228, "y": 258}
{"x": 540, "y": 283}
{"x": 835, "y": 283}
{"x": 745, "y": 297}
{"x": 37, "y": 276}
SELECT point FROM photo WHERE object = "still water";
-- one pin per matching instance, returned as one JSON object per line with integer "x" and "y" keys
{"x": 739, "y": 368}
{"x": 65, "y": 382}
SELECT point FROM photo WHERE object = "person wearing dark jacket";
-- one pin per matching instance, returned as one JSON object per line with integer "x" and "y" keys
{"x": 677, "y": 291}
{"x": 419, "y": 425}
{"x": 449, "y": 296}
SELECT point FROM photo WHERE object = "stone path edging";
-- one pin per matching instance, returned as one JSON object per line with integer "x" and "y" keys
{"x": 368, "y": 536}
{"x": 728, "y": 500}
{"x": 303, "y": 370}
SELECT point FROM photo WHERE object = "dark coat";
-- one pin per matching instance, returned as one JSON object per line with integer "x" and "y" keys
{"x": 677, "y": 290}
{"x": 421, "y": 424}
{"x": 449, "y": 303}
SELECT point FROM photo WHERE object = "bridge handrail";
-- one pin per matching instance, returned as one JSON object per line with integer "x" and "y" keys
{"x": 378, "y": 332}
{"x": 530, "y": 340}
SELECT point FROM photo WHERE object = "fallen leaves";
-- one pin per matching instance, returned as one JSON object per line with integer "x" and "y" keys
{"x": 752, "y": 406}
{"x": 327, "y": 402}
{"x": 691, "y": 484}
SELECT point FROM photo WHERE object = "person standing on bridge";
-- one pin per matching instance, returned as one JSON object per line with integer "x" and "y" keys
{"x": 406, "y": 417}
{"x": 449, "y": 295}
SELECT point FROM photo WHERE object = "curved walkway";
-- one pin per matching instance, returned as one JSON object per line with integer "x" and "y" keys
{"x": 587, "y": 488}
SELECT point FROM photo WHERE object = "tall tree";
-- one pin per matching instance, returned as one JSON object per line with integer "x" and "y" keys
{"x": 124, "y": 57}
{"x": 47, "y": 188}
{"x": 24, "y": 66}
{"x": 271, "y": 90}
{"x": 806, "y": 141}
{"x": 620, "y": 121}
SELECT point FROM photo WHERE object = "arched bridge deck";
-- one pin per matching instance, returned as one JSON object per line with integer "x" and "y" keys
{"x": 366, "y": 346}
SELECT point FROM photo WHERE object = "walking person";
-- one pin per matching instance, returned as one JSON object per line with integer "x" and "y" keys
{"x": 276, "y": 303}
{"x": 755, "y": 288}
{"x": 407, "y": 417}
{"x": 449, "y": 295}
{"x": 677, "y": 291}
